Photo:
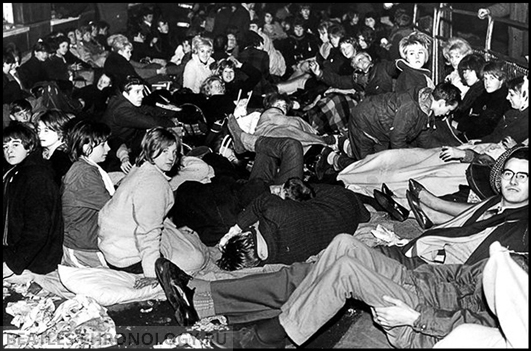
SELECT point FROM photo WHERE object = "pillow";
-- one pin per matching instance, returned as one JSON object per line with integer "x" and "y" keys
{"x": 107, "y": 286}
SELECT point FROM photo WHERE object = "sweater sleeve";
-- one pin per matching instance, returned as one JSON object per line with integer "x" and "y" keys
{"x": 190, "y": 77}
{"x": 145, "y": 117}
{"x": 150, "y": 203}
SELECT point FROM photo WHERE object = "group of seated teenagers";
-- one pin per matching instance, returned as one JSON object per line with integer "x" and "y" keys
{"x": 232, "y": 163}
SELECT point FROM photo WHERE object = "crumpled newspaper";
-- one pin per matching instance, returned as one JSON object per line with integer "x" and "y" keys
{"x": 77, "y": 323}
{"x": 198, "y": 336}
{"x": 388, "y": 237}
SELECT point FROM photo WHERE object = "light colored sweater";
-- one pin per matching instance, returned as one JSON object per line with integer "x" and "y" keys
{"x": 195, "y": 73}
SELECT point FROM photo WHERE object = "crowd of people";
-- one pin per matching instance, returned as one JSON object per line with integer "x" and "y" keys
{"x": 237, "y": 145}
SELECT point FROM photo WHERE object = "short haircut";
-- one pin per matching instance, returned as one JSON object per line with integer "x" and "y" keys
{"x": 448, "y": 92}
{"x": 368, "y": 34}
{"x": 19, "y": 106}
{"x": 8, "y": 57}
{"x": 206, "y": 86}
{"x": 456, "y": 44}
{"x": 222, "y": 64}
{"x": 473, "y": 62}
{"x": 415, "y": 38}
{"x": 56, "y": 42}
{"x": 271, "y": 98}
{"x": 55, "y": 120}
{"x": 86, "y": 132}
{"x": 239, "y": 252}
{"x": 336, "y": 30}
{"x": 495, "y": 68}
{"x": 41, "y": 46}
{"x": 129, "y": 82}
{"x": 155, "y": 141}
{"x": 516, "y": 84}
{"x": 298, "y": 190}
{"x": 22, "y": 131}
{"x": 518, "y": 151}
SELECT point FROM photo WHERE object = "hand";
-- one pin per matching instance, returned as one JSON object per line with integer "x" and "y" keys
{"x": 237, "y": 63}
{"x": 449, "y": 153}
{"x": 483, "y": 13}
{"x": 400, "y": 314}
{"x": 508, "y": 142}
{"x": 314, "y": 67}
{"x": 126, "y": 166}
{"x": 143, "y": 282}
{"x": 161, "y": 70}
{"x": 329, "y": 91}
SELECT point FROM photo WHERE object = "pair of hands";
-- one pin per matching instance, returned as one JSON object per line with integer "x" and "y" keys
{"x": 396, "y": 315}
{"x": 450, "y": 153}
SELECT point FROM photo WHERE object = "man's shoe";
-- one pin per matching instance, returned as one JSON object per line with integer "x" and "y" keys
{"x": 397, "y": 211}
{"x": 322, "y": 165}
{"x": 420, "y": 215}
{"x": 245, "y": 338}
{"x": 236, "y": 132}
{"x": 174, "y": 282}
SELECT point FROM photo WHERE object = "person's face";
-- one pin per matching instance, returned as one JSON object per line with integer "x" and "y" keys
{"x": 361, "y": 62}
{"x": 14, "y": 151}
{"x": 103, "y": 31}
{"x": 167, "y": 158}
{"x": 282, "y": 105}
{"x": 47, "y": 137}
{"x": 148, "y": 18}
{"x": 41, "y": 55}
{"x": 355, "y": 19}
{"x": 491, "y": 83}
{"x": 135, "y": 95}
{"x": 99, "y": 152}
{"x": 268, "y": 18}
{"x": 253, "y": 27}
{"x": 227, "y": 74}
{"x": 323, "y": 35}
{"x": 8, "y": 67}
{"x": 87, "y": 36}
{"x": 416, "y": 56}
{"x": 347, "y": 50}
{"x": 515, "y": 192}
{"x": 72, "y": 36}
{"x": 79, "y": 35}
{"x": 454, "y": 56}
{"x": 470, "y": 77}
{"x": 63, "y": 48}
{"x": 217, "y": 88}
{"x": 370, "y": 22}
{"x": 286, "y": 26}
{"x": 515, "y": 98}
{"x": 363, "y": 44}
{"x": 204, "y": 53}
{"x": 186, "y": 46}
{"x": 305, "y": 13}
{"x": 94, "y": 32}
{"x": 21, "y": 116}
{"x": 126, "y": 52}
{"x": 298, "y": 31}
{"x": 334, "y": 40}
{"x": 231, "y": 41}
{"x": 104, "y": 82}
{"x": 440, "y": 108}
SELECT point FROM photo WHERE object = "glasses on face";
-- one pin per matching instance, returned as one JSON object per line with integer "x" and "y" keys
{"x": 521, "y": 177}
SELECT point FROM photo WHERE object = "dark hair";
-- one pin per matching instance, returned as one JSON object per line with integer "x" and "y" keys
{"x": 155, "y": 141}
{"x": 251, "y": 39}
{"x": 298, "y": 190}
{"x": 128, "y": 83}
{"x": 271, "y": 98}
{"x": 22, "y": 131}
{"x": 40, "y": 46}
{"x": 8, "y": 57}
{"x": 516, "y": 83}
{"x": 448, "y": 92}
{"x": 86, "y": 132}
{"x": 239, "y": 252}
{"x": 518, "y": 151}
{"x": 56, "y": 41}
{"x": 336, "y": 30}
{"x": 20, "y": 105}
{"x": 495, "y": 68}
{"x": 474, "y": 62}
{"x": 56, "y": 120}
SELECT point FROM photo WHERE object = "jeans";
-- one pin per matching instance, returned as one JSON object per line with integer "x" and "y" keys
{"x": 277, "y": 160}
{"x": 347, "y": 269}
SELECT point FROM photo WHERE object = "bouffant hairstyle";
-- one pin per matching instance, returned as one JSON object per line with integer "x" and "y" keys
{"x": 456, "y": 44}
{"x": 473, "y": 62}
{"x": 415, "y": 38}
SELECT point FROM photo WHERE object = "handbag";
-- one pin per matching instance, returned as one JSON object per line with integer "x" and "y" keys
{"x": 478, "y": 176}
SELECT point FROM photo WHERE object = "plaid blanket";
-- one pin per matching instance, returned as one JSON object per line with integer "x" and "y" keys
{"x": 330, "y": 115}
